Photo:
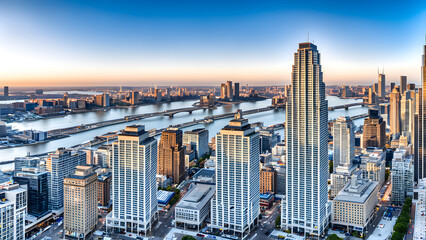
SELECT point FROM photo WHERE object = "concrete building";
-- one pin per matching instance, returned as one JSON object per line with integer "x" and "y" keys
{"x": 402, "y": 175}
{"x": 395, "y": 111}
{"x": 420, "y": 163}
{"x": 104, "y": 189}
{"x": 305, "y": 208}
{"x": 354, "y": 206}
{"x": 198, "y": 140}
{"x": 61, "y": 164}
{"x": 382, "y": 85}
{"x": 26, "y": 162}
{"x": 236, "y": 90}
{"x": 193, "y": 209}
{"x": 408, "y": 110}
{"x": 235, "y": 208}
{"x": 343, "y": 142}
{"x": 36, "y": 184}
{"x": 373, "y": 166}
{"x": 268, "y": 180}
{"x": 268, "y": 139}
{"x": 13, "y": 208}
{"x": 403, "y": 84}
{"x": 374, "y": 132}
{"x": 171, "y": 155}
{"x": 134, "y": 183}
{"x": 6, "y": 91}
{"x": 80, "y": 207}
{"x": 229, "y": 91}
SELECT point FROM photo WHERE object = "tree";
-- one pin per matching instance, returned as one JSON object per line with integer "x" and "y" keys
{"x": 278, "y": 221}
{"x": 187, "y": 237}
{"x": 400, "y": 227}
{"x": 334, "y": 237}
{"x": 397, "y": 236}
{"x": 330, "y": 166}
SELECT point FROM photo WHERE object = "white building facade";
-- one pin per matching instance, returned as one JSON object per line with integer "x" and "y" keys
{"x": 305, "y": 207}
{"x": 134, "y": 184}
{"x": 198, "y": 139}
{"x": 12, "y": 212}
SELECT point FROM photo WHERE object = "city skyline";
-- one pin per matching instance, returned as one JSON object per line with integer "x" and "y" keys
{"x": 48, "y": 43}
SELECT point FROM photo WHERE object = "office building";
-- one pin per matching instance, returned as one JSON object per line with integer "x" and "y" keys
{"x": 343, "y": 142}
{"x": 280, "y": 179}
{"x": 373, "y": 165}
{"x": 354, "y": 206}
{"x": 382, "y": 85}
{"x": 305, "y": 207}
{"x": 392, "y": 86}
{"x": 36, "y": 184}
{"x": 80, "y": 207}
{"x": 13, "y": 208}
{"x": 134, "y": 183}
{"x": 374, "y": 133}
{"x": 229, "y": 91}
{"x": 376, "y": 89}
{"x": 194, "y": 208}
{"x": 61, "y": 164}
{"x": 372, "y": 97}
{"x": 420, "y": 163}
{"x": 236, "y": 90}
{"x": 408, "y": 111}
{"x": 402, "y": 175}
{"x": 134, "y": 98}
{"x": 6, "y": 91}
{"x": 268, "y": 139}
{"x": 104, "y": 189}
{"x": 268, "y": 180}
{"x": 235, "y": 207}
{"x": 403, "y": 84}
{"x": 395, "y": 111}
{"x": 26, "y": 162}
{"x": 171, "y": 155}
{"x": 198, "y": 140}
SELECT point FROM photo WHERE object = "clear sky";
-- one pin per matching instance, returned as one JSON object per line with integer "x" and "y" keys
{"x": 129, "y": 43}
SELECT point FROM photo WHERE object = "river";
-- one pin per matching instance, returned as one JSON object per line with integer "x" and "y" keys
{"x": 268, "y": 118}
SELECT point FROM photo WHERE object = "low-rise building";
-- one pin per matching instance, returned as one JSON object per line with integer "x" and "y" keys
{"x": 266, "y": 201}
{"x": 194, "y": 207}
{"x": 354, "y": 206}
{"x": 104, "y": 189}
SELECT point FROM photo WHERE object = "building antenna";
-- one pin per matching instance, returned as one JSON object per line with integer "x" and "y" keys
{"x": 308, "y": 36}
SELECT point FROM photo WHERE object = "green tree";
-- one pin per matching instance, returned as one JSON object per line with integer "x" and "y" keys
{"x": 278, "y": 221}
{"x": 400, "y": 227}
{"x": 334, "y": 237}
{"x": 330, "y": 166}
{"x": 187, "y": 237}
{"x": 397, "y": 236}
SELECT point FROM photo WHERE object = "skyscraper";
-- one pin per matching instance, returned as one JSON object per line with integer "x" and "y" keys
{"x": 198, "y": 140}
{"x": 229, "y": 91}
{"x": 382, "y": 85}
{"x": 60, "y": 164}
{"x": 421, "y": 161}
{"x": 236, "y": 206}
{"x": 408, "y": 110}
{"x": 395, "y": 111}
{"x": 403, "y": 84}
{"x": 6, "y": 91}
{"x": 374, "y": 132}
{"x": 171, "y": 155}
{"x": 343, "y": 142}
{"x": 134, "y": 184}
{"x": 13, "y": 208}
{"x": 305, "y": 208}
{"x": 81, "y": 205}
{"x": 236, "y": 90}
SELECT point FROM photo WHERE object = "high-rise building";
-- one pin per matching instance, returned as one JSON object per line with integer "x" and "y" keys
{"x": 171, "y": 155}
{"x": 402, "y": 175}
{"x": 403, "y": 84}
{"x": 343, "y": 142}
{"x": 26, "y": 162}
{"x": 371, "y": 96}
{"x": 408, "y": 110}
{"x": 268, "y": 139}
{"x": 13, "y": 208}
{"x": 81, "y": 205}
{"x": 395, "y": 111}
{"x": 392, "y": 86}
{"x": 421, "y": 161}
{"x": 236, "y": 206}
{"x": 104, "y": 189}
{"x": 36, "y": 182}
{"x": 374, "y": 133}
{"x": 236, "y": 90}
{"x": 6, "y": 91}
{"x": 268, "y": 180}
{"x": 382, "y": 85}
{"x": 229, "y": 91}
{"x": 223, "y": 90}
{"x": 376, "y": 89}
{"x": 60, "y": 164}
{"x": 305, "y": 208}
{"x": 134, "y": 183}
{"x": 134, "y": 98}
{"x": 198, "y": 140}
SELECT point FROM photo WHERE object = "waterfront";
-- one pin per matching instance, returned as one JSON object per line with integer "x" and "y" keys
{"x": 269, "y": 118}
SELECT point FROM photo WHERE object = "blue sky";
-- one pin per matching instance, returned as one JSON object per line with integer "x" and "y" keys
{"x": 205, "y": 42}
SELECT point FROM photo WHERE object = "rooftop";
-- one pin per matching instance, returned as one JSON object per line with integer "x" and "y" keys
{"x": 197, "y": 197}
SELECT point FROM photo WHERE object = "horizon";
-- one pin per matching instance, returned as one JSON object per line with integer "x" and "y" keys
{"x": 82, "y": 44}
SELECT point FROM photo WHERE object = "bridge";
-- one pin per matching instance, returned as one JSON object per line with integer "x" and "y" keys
{"x": 171, "y": 113}
{"x": 346, "y": 106}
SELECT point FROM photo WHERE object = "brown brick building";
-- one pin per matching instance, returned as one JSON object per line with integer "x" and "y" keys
{"x": 104, "y": 189}
{"x": 171, "y": 155}
{"x": 268, "y": 180}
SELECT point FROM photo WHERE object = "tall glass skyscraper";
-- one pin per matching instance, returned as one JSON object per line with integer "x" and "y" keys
{"x": 236, "y": 206}
{"x": 420, "y": 163}
{"x": 305, "y": 208}
{"x": 134, "y": 184}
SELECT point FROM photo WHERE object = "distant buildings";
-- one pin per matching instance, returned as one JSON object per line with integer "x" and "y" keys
{"x": 80, "y": 208}
{"x": 208, "y": 100}
{"x": 61, "y": 164}
{"x": 171, "y": 155}
{"x": 374, "y": 132}
{"x": 305, "y": 208}
{"x": 197, "y": 139}
{"x": 268, "y": 139}
{"x": 227, "y": 92}
{"x": 13, "y": 209}
{"x": 6, "y": 91}
{"x": 134, "y": 184}
{"x": 36, "y": 182}
{"x": 382, "y": 85}
{"x": 402, "y": 175}
{"x": 236, "y": 205}
{"x": 403, "y": 84}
